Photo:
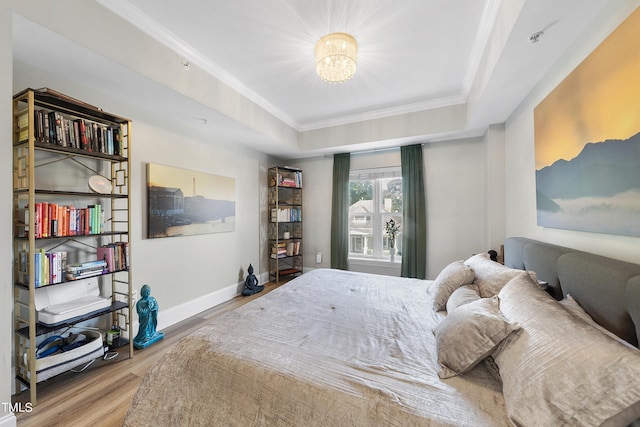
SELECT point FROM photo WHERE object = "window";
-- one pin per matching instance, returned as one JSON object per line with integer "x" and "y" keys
{"x": 375, "y": 197}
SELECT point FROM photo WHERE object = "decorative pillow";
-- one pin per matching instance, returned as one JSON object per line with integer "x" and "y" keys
{"x": 450, "y": 278}
{"x": 461, "y": 296}
{"x": 571, "y": 305}
{"x": 469, "y": 334}
{"x": 559, "y": 370}
{"x": 491, "y": 276}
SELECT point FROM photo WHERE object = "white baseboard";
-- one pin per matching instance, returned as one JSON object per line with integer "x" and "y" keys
{"x": 183, "y": 311}
{"x": 8, "y": 420}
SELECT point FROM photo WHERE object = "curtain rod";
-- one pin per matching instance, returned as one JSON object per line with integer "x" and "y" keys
{"x": 378, "y": 150}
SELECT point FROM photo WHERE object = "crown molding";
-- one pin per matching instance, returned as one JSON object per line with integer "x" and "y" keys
{"x": 148, "y": 25}
{"x": 385, "y": 112}
{"x": 483, "y": 34}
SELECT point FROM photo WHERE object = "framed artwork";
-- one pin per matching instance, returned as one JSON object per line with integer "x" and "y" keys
{"x": 587, "y": 141}
{"x": 182, "y": 202}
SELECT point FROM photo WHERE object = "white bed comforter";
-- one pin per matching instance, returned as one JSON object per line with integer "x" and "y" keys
{"x": 328, "y": 348}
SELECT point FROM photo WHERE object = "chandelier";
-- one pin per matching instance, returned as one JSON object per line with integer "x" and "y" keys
{"x": 336, "y": 57}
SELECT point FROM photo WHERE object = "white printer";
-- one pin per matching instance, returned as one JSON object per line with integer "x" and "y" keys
{"x": 62, "y": 303}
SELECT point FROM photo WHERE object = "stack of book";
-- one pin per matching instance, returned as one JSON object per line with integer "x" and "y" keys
{"x": 86, "y": 269}
{"x": 290, "y": 179}
{"x": 279, "y": 250}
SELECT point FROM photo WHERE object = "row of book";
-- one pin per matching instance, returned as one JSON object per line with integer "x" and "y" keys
{"x": 51, "y": 267}
{"x": 52, "y": 127}
{"x": 54, "y": 220}
{"x": 116, "y": 255}
{"x": 283, "y": 250}
{"x": 290, "y": 179}
{"x": 286, "y": 214}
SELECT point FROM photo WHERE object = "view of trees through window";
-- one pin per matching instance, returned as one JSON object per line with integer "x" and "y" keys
{"x": 375, "y": 197}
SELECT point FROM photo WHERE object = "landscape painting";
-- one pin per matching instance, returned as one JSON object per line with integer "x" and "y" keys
{"x": 587, "y": 141}
{"x": 182, "y": 202}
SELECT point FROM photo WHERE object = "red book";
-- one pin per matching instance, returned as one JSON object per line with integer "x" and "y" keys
{"x": 53, "y": 219}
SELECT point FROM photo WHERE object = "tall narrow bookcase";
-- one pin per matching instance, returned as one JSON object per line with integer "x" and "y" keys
{"x": 285, "y": 223}
{"x": 71, "y": 216}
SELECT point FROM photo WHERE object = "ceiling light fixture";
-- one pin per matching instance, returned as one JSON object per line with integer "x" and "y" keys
{"x": 336, "y": 57}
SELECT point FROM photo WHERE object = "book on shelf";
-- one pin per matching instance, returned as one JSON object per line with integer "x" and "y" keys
{"x": 49, "y": 267}
{"x": 86, "y": 269}
{"x": 293, "y": 248}
{"x": 53, "y": 220}
{"x": 279, "y": 250}
{"x": 286, "y": 214}
{"x": 290, "y": 179}
{"x": 115, "y": 255}
{"x": 55, "y": 128}
{"x": 23, "y": 125}
{"x": 23, "y": 119}
{"x": 285, "y": 249}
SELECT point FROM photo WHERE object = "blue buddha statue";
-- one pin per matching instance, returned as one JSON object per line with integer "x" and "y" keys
{"x": 147, "y": 308}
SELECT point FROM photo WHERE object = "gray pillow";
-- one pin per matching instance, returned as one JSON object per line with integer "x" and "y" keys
{"x": 469, "y": 334}
{"x": 571, "y": 305}
{"x": 450, "y": 278}
{"x": 559, "y": 370}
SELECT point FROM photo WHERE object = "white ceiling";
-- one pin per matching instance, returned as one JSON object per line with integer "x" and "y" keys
{"x": 414, "y": 55}
{"x": 267, "y": 46}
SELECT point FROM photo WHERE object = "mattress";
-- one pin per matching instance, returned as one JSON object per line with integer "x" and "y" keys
{"x": 328, "y": 348}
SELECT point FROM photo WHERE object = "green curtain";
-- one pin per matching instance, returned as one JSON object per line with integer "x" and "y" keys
{"x": 340, "y": 212}
{"x": 414, "y": 216}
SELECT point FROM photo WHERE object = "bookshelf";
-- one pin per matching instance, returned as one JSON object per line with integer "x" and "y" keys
{"x": 71, "y": 216}
{"x": 285, "y": 222}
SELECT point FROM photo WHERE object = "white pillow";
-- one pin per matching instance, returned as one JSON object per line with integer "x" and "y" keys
{"x": 450, "y": 278}
{"x": 469, "y": 334}
{"x": 558, "y": 370}
{"x": 491, "y": 276}
{"x": 461, "y": 296}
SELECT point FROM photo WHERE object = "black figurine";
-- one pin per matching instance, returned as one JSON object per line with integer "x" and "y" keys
{"x": 251, "y": 284}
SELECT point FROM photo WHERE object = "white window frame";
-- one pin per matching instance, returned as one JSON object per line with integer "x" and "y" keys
{"x": 378, "y": 216}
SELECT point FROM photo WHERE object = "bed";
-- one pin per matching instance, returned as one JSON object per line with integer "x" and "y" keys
{"x": 481, "y": 345}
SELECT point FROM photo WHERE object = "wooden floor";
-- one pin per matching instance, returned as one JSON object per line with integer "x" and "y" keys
{"x": 101, "y": 394}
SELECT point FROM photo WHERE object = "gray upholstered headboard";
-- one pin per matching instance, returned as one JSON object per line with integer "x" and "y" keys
{"x": 608, "y": 289}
